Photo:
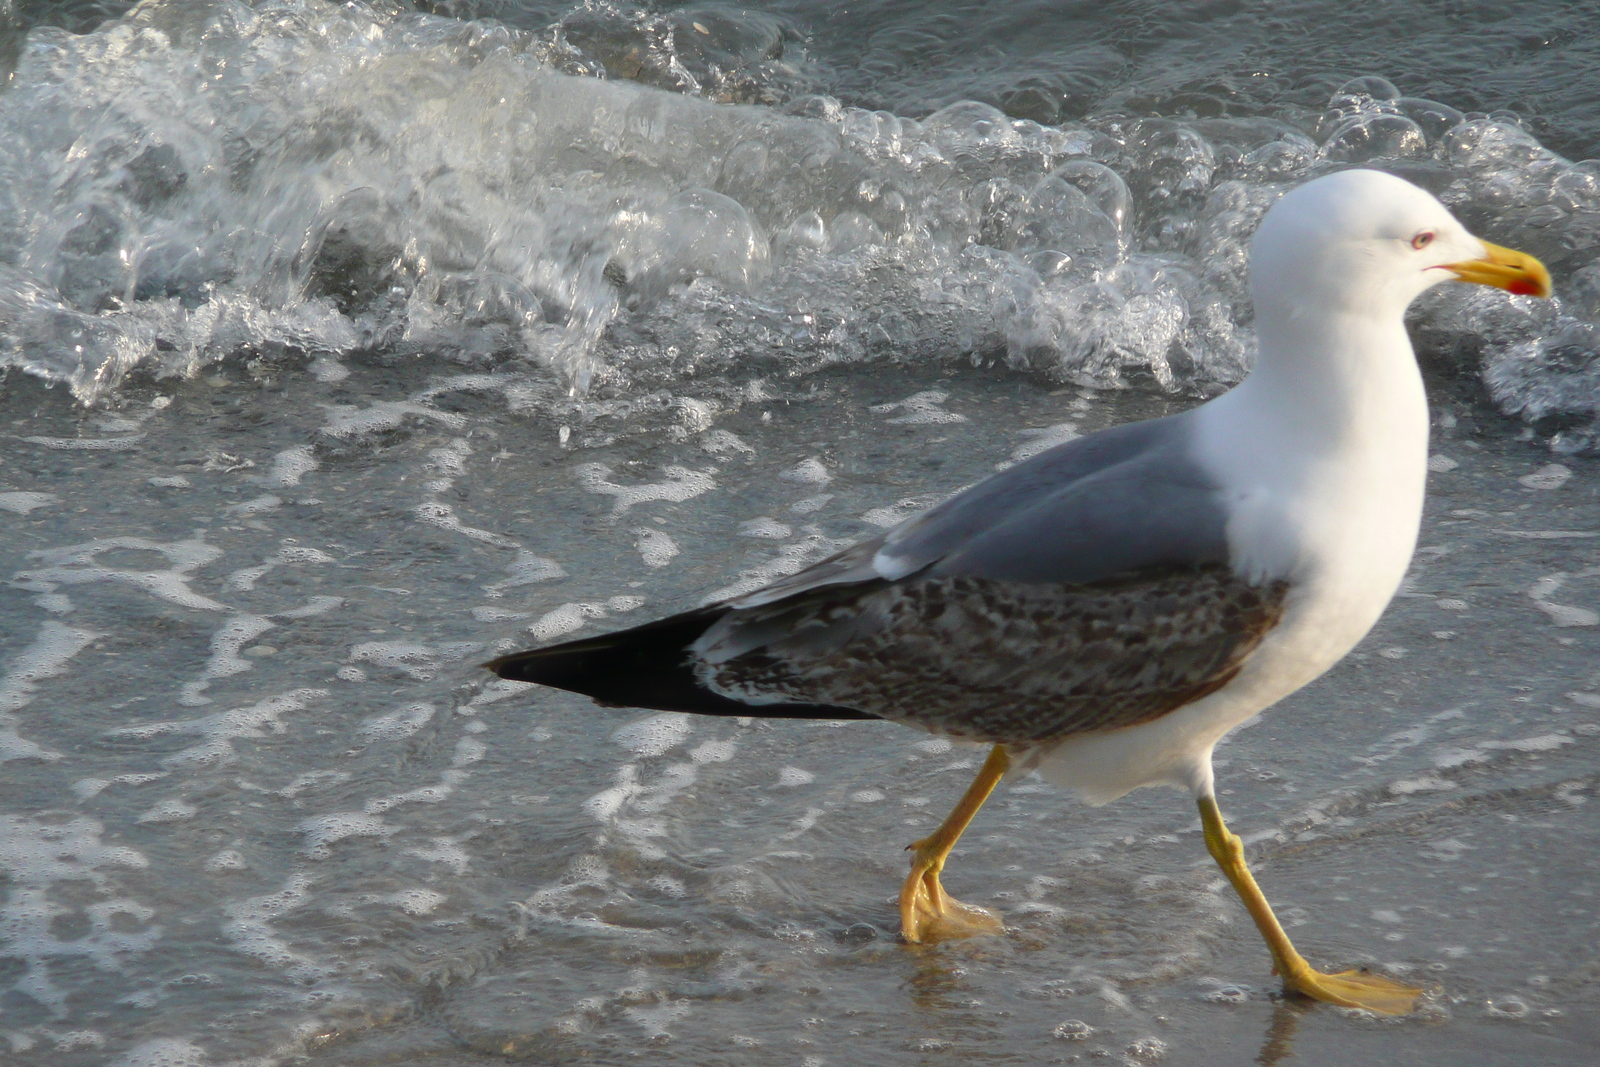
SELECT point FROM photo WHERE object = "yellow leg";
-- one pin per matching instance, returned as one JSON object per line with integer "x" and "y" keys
{"x": 1349, "y": 989}
{"x": 927, "y": 912}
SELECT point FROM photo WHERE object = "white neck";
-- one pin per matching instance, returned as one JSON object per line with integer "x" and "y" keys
{"x": 1337, "y": 385}
{"x": 1323, "y": 449}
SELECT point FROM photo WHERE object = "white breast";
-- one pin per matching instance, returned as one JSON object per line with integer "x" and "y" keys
{"x": 1322, "y": 464}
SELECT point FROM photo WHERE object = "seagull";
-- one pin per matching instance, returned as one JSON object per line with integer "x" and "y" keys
{"x": 1103, "y": 613}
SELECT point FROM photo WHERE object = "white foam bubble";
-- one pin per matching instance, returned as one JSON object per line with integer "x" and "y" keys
{"x": 1538, "y": 743}
{"x": 605, "y": 804}
{"x": 347, "y": 422}
{"x": 24, "y": 503}
{"x": 37, "y": 855}
{"x": 714, "y": 752}
{"x": 255, "y": 506}
{"x": 764, "y": 528}
{"x": 656, "y": 735}
{"x": 427, "y": 794}
{"x": 1560, "y": 614}
{"x": 1428, "y": 783}
{"x": 395, "y": 726}
{"x": 225, "y": 661}
{"x": 681, "y": 484}
{"x": 290, "y": 465}
{"x": 249, "y": 928}
{"x": 221, "y": 729}
{"x": 229, "y": 859}
{"x": 443, "y": 516}
{"x": 721, "y": 442}
{"x": 499, "y": 689}
{"x": 901, "y": 510}
{"x": 247, "y": 577}
{"x": 1074, "y": 1030}
{"x": 172, "y": 809}
{"x": 444, "y": 850}
{"x": 324, "y": 830}
{"x": 655, "y": 547}
{"x": 1550, "y": 476}
{"x": 808, "y": 472}
{"x": 565, "y": 619}
{"x": 810, "y": 504}
{"x": 1041, "y": 439}
{"x": 668, "y": 886}
{"x": 46, "y": 657}
{"x": 526, "y": 569}
{"x": 486, "y": 613}
{"x": 920, "y": 409}
{"x": 418, "y": 902}
{"x": 163, "y": 1052}
{"x": 88, "y": 444}
{"x": 328, "y": 370}
{"x": 416, "y": 660}
{"x": 76, "y": 565}
{"x": 791, "y": 559}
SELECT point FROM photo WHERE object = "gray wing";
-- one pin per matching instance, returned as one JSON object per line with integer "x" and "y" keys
{"x": 1118, "y": 500}
{"x": 1087, "y": 588}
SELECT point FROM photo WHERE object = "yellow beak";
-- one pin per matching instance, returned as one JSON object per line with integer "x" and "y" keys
{"x": 1505, "y": 268}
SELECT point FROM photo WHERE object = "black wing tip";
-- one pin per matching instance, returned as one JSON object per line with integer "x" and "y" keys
{"x": 646, "y": 667}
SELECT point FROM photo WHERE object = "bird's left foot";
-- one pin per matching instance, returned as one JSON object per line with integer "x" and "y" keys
{"x": 1353, "y": 989}
{"x": 928, "y": 913}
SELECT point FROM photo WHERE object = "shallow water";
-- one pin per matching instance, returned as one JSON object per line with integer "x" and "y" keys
{"x": 382, "y": 342}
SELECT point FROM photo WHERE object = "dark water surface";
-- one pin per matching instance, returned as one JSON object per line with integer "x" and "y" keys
{"x": 351, "y": 344}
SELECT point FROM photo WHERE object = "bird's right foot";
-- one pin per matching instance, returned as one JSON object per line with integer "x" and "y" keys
{"x": 1352, "y": 989}
{"x": 929, "y": 914}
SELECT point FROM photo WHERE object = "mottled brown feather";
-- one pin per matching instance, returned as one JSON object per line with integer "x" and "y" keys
{"x": 1007, "y": 662}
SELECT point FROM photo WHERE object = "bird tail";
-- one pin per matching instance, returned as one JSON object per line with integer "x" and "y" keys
{"x": 646, "y": 667}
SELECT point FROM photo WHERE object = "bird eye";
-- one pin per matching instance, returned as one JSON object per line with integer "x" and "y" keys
{"x": 1422, "y": 240}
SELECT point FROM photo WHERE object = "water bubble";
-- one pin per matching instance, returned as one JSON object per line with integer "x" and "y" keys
{"x": 1508, "y": 1008}
{"x": 1173, "y": 164}
{"x": 695, "y": 232}
{"x": 1433, "y": 118}
{"x": 806, "y": 231}
{"x": 969, "y": 126}
{"x": 851, "y": 230}
{"x": 1148, "y": 1050}
{"x": 1483, "y": 143}
{"x": 1060, "y": 217}
{"x": 1381, "y": 136}
{"x": 1074, "y": 1030}
{"x": 1228, "y": 994}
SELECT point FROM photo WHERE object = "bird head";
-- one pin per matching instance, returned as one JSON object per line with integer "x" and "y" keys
{"x": 1368, "y": 243}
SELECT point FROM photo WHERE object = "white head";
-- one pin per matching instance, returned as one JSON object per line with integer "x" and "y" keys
{"x": 1362, "y": 242}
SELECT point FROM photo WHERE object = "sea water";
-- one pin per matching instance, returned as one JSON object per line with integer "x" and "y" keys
{"x": 348, "y": 345}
